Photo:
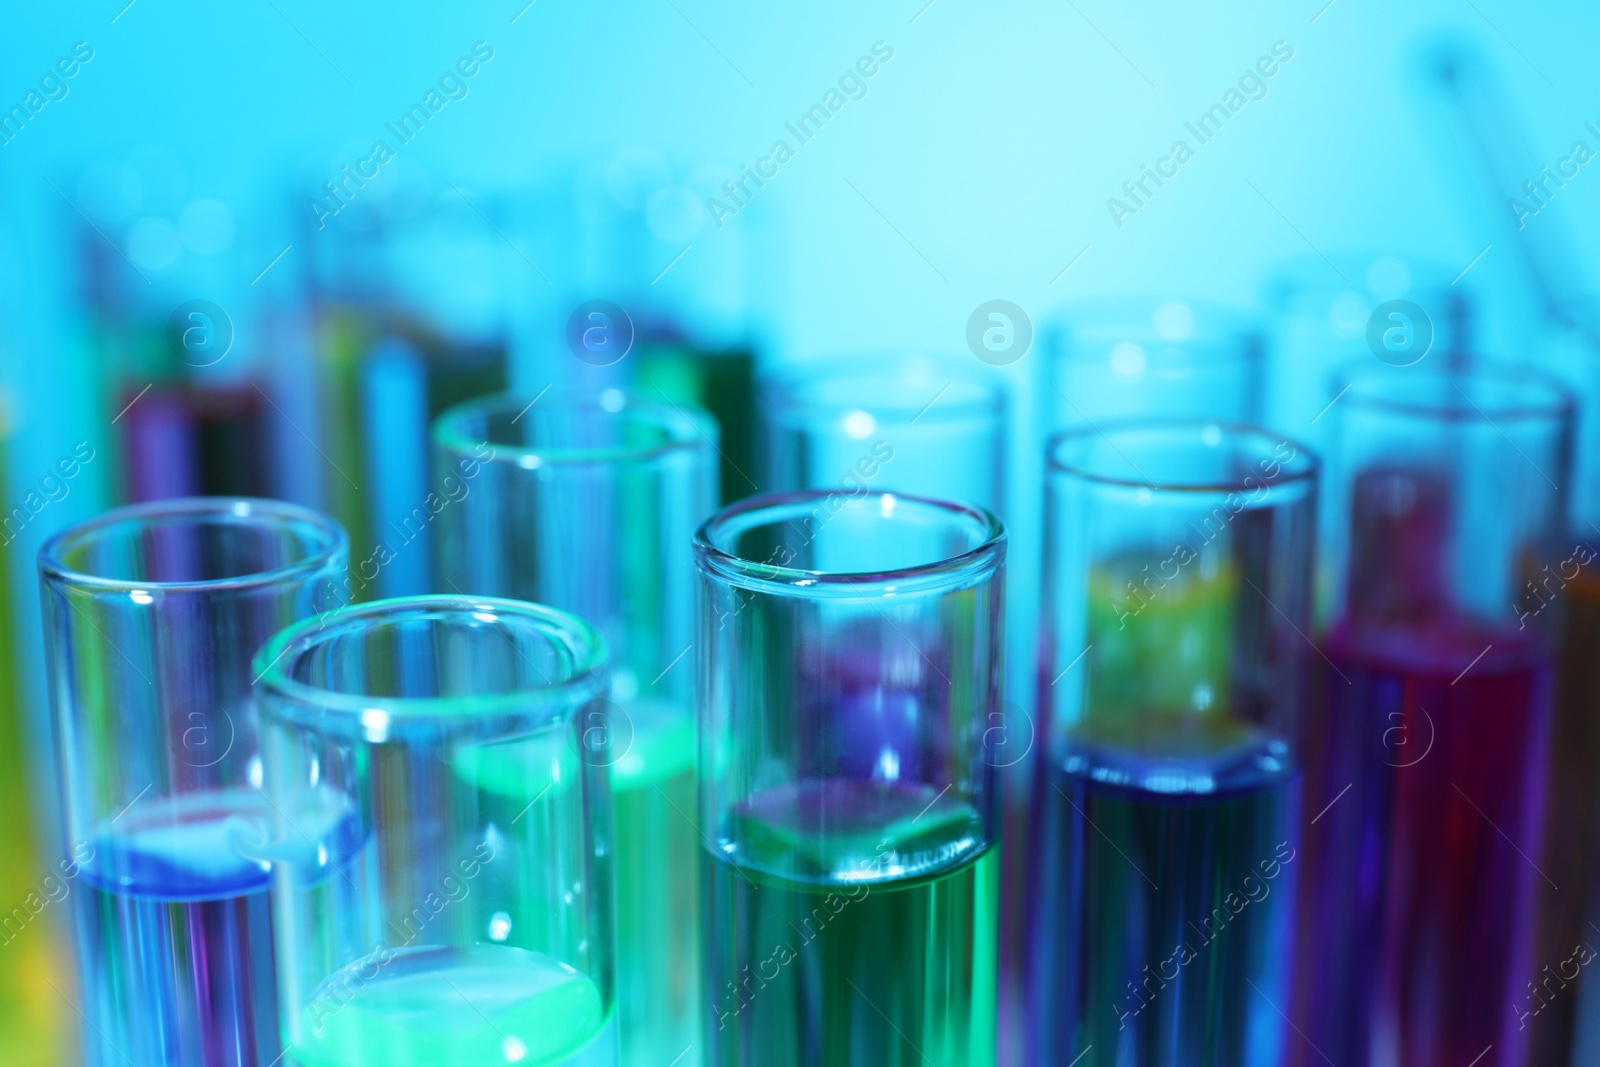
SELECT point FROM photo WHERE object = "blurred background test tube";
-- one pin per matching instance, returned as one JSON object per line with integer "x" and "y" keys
{"x": 645, "y": 301}
{"x": 176, "y": 334}
{"x": 1329, "y": 312}
{"x": 1572, "y": 801}
{"x": 1146, "y": 358}
{"x": 1172, "y": 682}
{"x": 1138, "y": 359}
{"x": 442, "y": 893}
{"x": 152, "y": 613}
{"x": 411, "y": 292}
{"x": 1426, "y": 783}
{"x": 915, "y": 425}
{"x": 850, "y": 666}
{"x": 589, "y": 502}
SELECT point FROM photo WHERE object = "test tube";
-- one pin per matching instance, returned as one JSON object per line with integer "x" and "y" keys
{"x": 412, "y": 291}
{"x": 1174, "y": 358}
{"x": 151, "y": 615}
{"x": 926, "y": 426}
{"x": 619, "y": 226}
{"x": 1570, "y": 349}
{"x": 1322, "y": 311}
{"x": 1425, "y": 794}
{"x": 589, "y": 502}
{"x": 1171, "y": 682}
{"x": 850, "y": 676}
{"x": 440, "y": 836}
{"x": 721, "y": 381}
{"x": 1104, "y": 362}
{"x": 175, "y": 329}
{"x": 1572, "y": 800}
{"x": 188, "y": 438}
{"x": 908, "y": 425}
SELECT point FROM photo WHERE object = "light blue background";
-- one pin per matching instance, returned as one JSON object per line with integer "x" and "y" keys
{"x": 978, "y": 166}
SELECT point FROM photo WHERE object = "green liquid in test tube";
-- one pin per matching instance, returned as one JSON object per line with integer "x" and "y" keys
{"x": 442, "y": 1007}
{"x": 827, "y": 941}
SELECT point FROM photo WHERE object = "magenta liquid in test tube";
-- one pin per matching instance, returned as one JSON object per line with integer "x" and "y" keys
{"x": 1424, "y": 797}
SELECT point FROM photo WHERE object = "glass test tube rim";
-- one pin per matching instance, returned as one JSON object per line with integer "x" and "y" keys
{"x": 1303, "y": 467}
{"x": 793, "y": 390}
{"x": 934, "y": 575}
{"x": 687, "y": 427}
{"x": 326, "y": 541}
{"x": 545, "y": 704}
{"x": 1394, "y": 391}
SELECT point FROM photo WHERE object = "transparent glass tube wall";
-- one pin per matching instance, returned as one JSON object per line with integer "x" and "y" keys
{"x": 850, "y": 678}
{"x": 151, "y": 616}
{"x": 589, "y": 502}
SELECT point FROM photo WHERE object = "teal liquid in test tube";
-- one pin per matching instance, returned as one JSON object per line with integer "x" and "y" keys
{"x": 441, "y": 844}
{"x": 589, "y": 502}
